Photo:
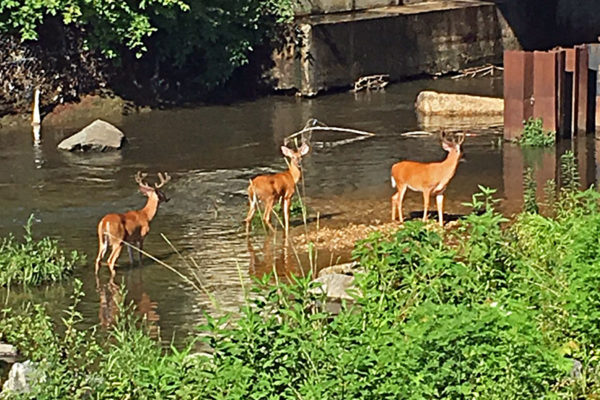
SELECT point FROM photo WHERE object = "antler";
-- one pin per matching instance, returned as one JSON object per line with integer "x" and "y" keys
{"x": 139, "y": 178}
{"x": 163, "y": 179}
{"x": 457, "y": 137}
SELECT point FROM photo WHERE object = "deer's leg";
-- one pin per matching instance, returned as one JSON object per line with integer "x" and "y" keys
{"x": 102, "y": 247}
{"x": 130, "y": 253}
{"x": 252, "y": 203}
{"x": 268, "y": 209}
{"x": 426, "y": 195}
{"x": 114, "y": 255}
{"x": 399, "y": 198}
{"x": 140, "y": 252}
{"x": 439, "y": 199}
{"x": 394, "y": 206}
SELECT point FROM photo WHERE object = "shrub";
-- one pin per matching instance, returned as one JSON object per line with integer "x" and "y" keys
{"x": 34, "y": 262}
{"x": 534, "y": 135}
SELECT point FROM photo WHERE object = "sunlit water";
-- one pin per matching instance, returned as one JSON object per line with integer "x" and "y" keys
{"x": 211, "y": 152}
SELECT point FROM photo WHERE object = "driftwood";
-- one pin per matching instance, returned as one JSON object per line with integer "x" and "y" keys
{"x": 314, "y": 125}
{"x": 371, "y": 82}
{"x": 472, "y": 72}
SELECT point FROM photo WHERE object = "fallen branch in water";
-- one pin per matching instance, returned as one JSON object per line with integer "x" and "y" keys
{"x": 488, "y": 69}
{"x": 371, "y": 82}
{"x": 314, "y": 125}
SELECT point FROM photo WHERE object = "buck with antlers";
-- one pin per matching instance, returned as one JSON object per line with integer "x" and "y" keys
{"x": 428, "y": 178}
{"x": 130, "y": 227}
{"x": 275, "y": 187}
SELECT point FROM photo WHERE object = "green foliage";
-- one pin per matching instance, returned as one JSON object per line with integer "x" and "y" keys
{"x": 111, "y": 23}
{"x": 33, "y": 262}
{"x": 208, "y": 40}
{"x": 569, "y": 174}
{"x": 534, "y": 135}
{"x": 529, "y": 192}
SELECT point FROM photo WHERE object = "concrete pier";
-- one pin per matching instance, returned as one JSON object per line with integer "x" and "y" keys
{"x": 367, "y": 37}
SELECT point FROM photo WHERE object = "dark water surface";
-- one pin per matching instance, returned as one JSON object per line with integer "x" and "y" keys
{"x": 211, "y": 152}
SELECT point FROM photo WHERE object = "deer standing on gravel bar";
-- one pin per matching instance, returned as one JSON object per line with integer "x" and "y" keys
{"x": 274, "y": 187}
{"x": 428, "y": 178}
{"x": 132, "y": 226}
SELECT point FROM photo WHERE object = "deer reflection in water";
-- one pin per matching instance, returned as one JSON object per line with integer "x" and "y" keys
{"x": 279, "y": 259}
{"x": 111, "y": 300}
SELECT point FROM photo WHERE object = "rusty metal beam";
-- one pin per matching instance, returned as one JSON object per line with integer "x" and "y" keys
{"x": 580, "y": 90}
{"x": 546, "y": 84}
{"x": 518, "y": 91}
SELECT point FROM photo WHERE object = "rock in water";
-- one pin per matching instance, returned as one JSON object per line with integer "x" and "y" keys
{"x": 448, "y": 104}
{"x": 99, "y": 135}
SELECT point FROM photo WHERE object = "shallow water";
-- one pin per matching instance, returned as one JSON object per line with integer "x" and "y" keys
{"x": 211, "y": 152}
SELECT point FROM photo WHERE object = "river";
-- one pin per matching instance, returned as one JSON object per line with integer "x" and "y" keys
{"x": 211, "y": 152}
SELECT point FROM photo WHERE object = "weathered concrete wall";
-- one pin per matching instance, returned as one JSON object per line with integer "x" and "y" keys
{"x": 401, "y": 41}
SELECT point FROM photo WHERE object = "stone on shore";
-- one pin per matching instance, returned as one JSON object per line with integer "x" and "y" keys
{"x": 334, "y": 286}
{"x": 448, "y": 104}
{"x": 8, "y": 352}
{"x": 99, "y": 135}
{"x": 21, "y": 377}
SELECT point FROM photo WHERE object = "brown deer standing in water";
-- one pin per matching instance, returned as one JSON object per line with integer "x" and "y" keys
{"x": 273, "y": 187}
{"x": 130, "y": 227}
{"x": 428, "y": 178}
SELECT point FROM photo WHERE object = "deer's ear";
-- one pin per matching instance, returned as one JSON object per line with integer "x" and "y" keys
{"x": 447, "y": 145}
{"x": 304, "y": 149}
{"x": 286, "y": 151}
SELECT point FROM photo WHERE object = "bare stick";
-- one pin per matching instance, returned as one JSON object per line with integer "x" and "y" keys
{"x": 327, "y": 128}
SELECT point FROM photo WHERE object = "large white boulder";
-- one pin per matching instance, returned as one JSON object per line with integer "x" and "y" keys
{"x": 449, "y": 104}
{"x": 99, "y": 135}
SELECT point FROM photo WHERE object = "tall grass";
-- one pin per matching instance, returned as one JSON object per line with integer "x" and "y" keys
{"x": 32, "y": 262}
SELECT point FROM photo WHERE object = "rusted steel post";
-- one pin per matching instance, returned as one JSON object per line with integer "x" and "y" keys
{"x": 548, "y": 86}
{"x": 593, "y": 86}
{"x": 564, "y": 98}
{"x": 518, "y": 91}
{"x": 581, "y": 76}
{"x": 572, "y": 74}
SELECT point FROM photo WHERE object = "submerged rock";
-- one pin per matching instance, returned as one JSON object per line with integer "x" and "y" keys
{"x": 21, "y": 377}
{"x": 99, "y": 135}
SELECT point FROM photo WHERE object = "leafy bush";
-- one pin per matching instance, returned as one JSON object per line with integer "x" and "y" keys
{"x": 33, "y": 262}
{"x": 199, "y": 43}
{"x": 534, "y": 135}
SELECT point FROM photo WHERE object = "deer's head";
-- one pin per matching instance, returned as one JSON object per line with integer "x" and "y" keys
{"x": 150, "y": 191}
{"x": 295, "y": 156}
{"x": 452, "y": 143}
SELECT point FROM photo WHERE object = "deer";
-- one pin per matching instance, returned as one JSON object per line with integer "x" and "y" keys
{"x": 130, "y": 227}
{"x": 426, "y": 177}
{"x": 270, "y": 188}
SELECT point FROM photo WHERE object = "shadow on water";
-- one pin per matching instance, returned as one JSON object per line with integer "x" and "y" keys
{"x": 211, "y": 152}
